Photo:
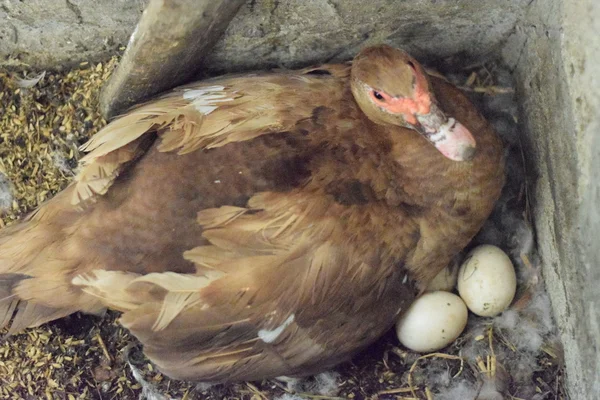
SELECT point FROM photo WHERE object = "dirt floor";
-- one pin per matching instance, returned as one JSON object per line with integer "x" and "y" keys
{"x": 42, "y": 124}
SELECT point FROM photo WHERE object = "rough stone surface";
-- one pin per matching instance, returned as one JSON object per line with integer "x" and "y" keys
{"x": 555, "y": 52}
{"x": 47, "y": 34}
{"x": 60, "y": 33}
{"x": 290, "y": 33}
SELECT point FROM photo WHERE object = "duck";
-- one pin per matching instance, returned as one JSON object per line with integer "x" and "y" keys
{"x": 264, "y": 224}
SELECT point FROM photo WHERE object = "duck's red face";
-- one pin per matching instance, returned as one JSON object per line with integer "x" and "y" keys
{"x": 406, "y": 106}
{"x": 397, "y": 86}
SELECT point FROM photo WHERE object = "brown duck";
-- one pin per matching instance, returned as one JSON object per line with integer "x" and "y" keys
{"x": 265, "y": 224}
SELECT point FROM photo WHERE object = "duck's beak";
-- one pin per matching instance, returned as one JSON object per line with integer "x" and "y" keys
{"x": 449, "y": 136}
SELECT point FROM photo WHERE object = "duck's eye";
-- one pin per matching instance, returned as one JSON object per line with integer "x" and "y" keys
{"x": 378, "y": 95}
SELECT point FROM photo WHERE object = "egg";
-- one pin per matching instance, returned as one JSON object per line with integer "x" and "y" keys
{"x": 432, "y": 322}
{"x": 487, "y": 281}
{"x": 445, "y": 279}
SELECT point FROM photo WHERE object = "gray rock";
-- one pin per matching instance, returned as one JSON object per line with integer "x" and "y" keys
{"x": 555, "y": 53}
{"x": 59, "y": 33}
{"x": 292, "y": 33}
{"x": 49, "y": 34}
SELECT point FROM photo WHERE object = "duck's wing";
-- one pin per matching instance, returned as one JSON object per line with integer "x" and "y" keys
{"x": 204, "y": 115}
{"x": 280, "y": 286}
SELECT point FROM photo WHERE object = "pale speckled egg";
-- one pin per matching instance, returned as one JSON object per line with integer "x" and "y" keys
{"x": 445, "y": 279}
{"x": 432, "y": 322}
{"x": 487, "y": 281}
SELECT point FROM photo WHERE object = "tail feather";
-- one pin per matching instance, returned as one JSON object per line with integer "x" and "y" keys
{"x": 8, "y": 300}
{"x": 30, "y": 315}
{"x": 34, "y": 269}
{"x": 17, "y": 314}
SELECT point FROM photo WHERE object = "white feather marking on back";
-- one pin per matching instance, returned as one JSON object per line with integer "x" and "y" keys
{"x": 204, "y": 99}
{"x": 269, "y": 336}
{"x": 205, "y": 109}
{"x": 191, "y": 94}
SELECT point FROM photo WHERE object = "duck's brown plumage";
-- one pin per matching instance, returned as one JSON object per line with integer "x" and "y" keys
{"x": 268, "y": 229}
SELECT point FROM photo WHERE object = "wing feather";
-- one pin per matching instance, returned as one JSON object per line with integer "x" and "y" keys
{"x": 198, "y": 116}
{"x": 256, "y": 298}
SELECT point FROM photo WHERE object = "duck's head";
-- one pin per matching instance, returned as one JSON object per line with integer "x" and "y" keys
{"x": 392, "y": 88}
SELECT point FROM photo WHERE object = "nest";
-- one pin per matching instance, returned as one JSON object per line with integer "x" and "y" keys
{"x": 46, "y": 117}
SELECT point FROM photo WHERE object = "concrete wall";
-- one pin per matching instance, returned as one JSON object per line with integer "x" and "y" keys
{"x": 555, "y": 52}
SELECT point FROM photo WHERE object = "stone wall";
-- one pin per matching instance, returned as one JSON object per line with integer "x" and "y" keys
{"x": 555, "y": 52}
{"x": 290, "y": 33}
{"x": 48, "y": 34}
{"x": 59, "y": 33}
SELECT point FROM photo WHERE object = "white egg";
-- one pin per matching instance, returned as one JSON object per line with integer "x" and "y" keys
{"x": 487, "y": 281}
{"x": 432, "y": 322}
{"x": 445, "y": 279}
